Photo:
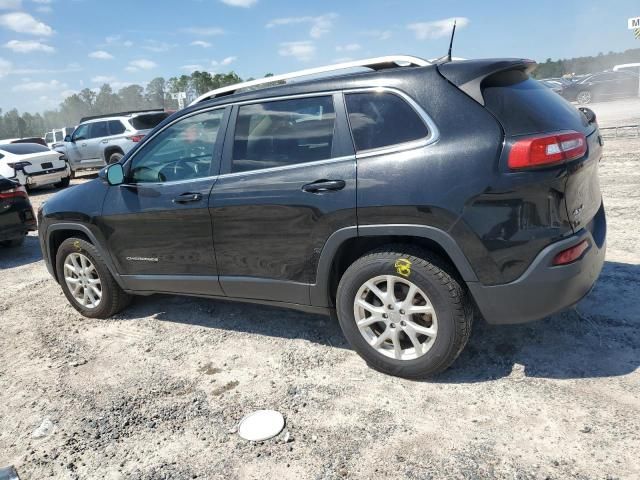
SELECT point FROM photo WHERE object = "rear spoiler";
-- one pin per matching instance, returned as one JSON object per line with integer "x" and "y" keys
{"x": 468, "y": 75}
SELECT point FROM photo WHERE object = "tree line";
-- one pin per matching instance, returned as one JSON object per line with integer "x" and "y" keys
{"x": 581, "y": 65}
{"x": 88, "y": 102}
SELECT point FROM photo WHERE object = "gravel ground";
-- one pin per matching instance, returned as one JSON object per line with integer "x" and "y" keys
{"x": 156, "y": 393}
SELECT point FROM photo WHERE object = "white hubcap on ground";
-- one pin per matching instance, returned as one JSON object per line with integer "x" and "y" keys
{"x": 395, "y": 317}
{"x": 83, "y": 280}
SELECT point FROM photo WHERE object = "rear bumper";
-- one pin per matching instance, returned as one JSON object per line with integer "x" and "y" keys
{"x": 545, "y": 289}
{"x": 46, "y": 178}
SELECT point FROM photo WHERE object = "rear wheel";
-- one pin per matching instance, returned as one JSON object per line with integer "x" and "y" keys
{"x": 86, "y": 280}
{"x": 115, "y": 157}
{"x": 64, "y": 183}
{"x": 584, "y": 97}
{"x": 404, "y": 312}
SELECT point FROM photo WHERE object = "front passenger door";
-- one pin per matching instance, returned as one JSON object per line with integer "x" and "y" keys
{"x": 157, "y": 224}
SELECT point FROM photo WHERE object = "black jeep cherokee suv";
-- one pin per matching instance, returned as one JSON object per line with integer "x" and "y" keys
{"x": 404, "y": 199}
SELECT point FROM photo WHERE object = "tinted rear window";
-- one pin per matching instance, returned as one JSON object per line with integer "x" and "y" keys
{"x": 382, "y": 119}
{"x": 147, "y": 121}
{"x": 24, "y": 148}
{"x": 116, "y": 127}
{"x": 525, "y": 106}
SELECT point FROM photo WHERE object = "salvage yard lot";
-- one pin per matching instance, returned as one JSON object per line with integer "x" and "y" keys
{"x": 157, "y": 391}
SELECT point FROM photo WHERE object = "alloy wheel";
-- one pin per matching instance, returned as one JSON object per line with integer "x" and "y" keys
{"x": 395, "y": 317}
{"x": 82, "y": 279}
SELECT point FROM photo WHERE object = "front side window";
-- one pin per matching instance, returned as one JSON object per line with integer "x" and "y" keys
{"x": 183, "y": 151}
{"x": 380, "y": 119}
{"x": 81, "y": 133}
{"x": 59, "y": 135}
{"x": 98, "y": 130}
{"x": 281, "y": 133}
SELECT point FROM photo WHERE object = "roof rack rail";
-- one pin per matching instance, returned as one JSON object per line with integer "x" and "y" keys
{"x": 377, "y": 63}
{"x": 120, "y": 114}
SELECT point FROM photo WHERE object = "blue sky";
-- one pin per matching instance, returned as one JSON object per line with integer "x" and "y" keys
{"x": 51, "y": 48}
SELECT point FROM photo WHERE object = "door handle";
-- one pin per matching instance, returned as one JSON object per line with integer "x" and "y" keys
{"x": 84, "y": 145}
{"x": 104, "y": 141}
{"x": 188, "y": 198}
{"x": 321, "y": 186}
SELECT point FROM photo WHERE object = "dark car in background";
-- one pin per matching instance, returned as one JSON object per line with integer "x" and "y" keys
{"x": 602, "y": 86}
{"x": 16, "y": 214}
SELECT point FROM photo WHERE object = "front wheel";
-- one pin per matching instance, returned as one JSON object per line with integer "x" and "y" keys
{"x": 86, "y": 281}
{"x": 585, "y": 97}
{"x": 404, "y": 312}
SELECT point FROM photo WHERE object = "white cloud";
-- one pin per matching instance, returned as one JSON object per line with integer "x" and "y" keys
{"x": 228, "y": 60}
{"x": 101, "y": 55}
{"x": 103, "y": 79}
{"x": 192, "y": 68}
{"x": 200, "y": 43}
{"x": 157, "y": 47}
{"x": 240, "y": 3}
{"x": 39, "y": 86}
{"x": 303, "y": 51}
{"x": 350, "y": 47}
{"x": 24, "y": 23}
{"x": 10, "y": 4}
{"x": 320, "y": 25}
{"x": 117, "y": 41}
{"x": 142, "y": 64}
{"x": 437, "y": 28}
{"x": 204, "y": 31}
{"x": 28, "y": 46}
{"x": 377, "y": 34}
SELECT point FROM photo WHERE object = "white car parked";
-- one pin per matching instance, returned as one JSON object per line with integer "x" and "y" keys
{"x": 34, "y": 165}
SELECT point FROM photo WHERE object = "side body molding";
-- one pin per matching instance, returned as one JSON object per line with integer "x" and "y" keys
{"x": 320, "y": 290}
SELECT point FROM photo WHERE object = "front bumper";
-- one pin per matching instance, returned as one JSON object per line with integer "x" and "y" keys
{"x": 545, "y": 289}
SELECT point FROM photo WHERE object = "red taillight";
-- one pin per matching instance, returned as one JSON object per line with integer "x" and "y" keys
{"x": 18, "y": 192}
{"x": 547, "y": 150}
{"x": 571, "y": 254}
{"x": 136, "y": 138}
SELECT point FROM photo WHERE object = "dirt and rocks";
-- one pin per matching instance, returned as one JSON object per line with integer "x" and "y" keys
{"x": 158, "y": 391}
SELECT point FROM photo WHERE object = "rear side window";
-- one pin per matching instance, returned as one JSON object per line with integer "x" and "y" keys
{"x": 381, "y": 119}
{"x": 280, "y": 133}
{"x": 525, "y": 107}
{"x": 59, "y": 136}
{"x": 148, "y": 120}
{"x": 48, "y": 137}
{"x": 98, "y": 130}
{"x": 116, "y": 127}
{"x": 24, "y": 148}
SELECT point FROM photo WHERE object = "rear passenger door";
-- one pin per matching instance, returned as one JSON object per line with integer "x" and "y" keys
{"x": 97, "y": 133}
{"x": 288, "y": 182}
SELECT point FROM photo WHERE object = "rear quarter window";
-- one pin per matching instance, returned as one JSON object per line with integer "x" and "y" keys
{"x": 380, "y": 119}
{"x": 525, "y": 106}
{"x": 148, "y": 121}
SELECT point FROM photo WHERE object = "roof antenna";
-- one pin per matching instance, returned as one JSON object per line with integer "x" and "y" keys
{"x": 453, "y": 33}
{"x": 447, "y": 58}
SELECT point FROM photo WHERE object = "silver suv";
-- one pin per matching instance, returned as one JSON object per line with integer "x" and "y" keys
{"x": 98, "y": 141}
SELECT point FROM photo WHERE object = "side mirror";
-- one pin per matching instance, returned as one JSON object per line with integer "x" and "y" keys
{"x": 114, "y": 174}
{"x": 68, "y": 139}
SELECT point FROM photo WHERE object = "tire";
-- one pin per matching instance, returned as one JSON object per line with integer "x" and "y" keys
{"x": 72, "y": 175}
{"x": 433, "y": 278}
{"x": 112, "y": 299}
{"x": 115, "y": 157}
{"x": 64, "y": 183}
{"x": 13, "y": 243}
{"x": 584, "y": 97}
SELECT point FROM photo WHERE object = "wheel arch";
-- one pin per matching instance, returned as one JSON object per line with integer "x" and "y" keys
{"x": 58, "y": 233}
{"x": 348, "y": 244}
